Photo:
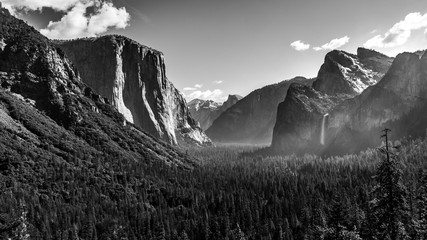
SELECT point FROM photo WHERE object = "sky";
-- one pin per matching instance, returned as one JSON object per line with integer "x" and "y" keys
{"x": 221, "y": 47}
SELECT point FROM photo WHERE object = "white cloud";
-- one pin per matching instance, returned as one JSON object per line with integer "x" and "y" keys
{"x": 399, "y": 33}
{"x": 108, "y": 16}
{"x": 58, "y": 5}
{"x": 73, "y": 24}
{"x": 333, "y": 44}
{"x": 299, "y": 45}
{"x": 216, "y": 95}
{"x": 198, "y": 86}
{"x": 218, "y": 82}
{"x": 76, "y": 23}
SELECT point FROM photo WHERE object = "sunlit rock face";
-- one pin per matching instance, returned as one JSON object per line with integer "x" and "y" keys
{"x": 251, "y": 120}
{"x": 47, "y": 114}
{"x": 344, "y": 73}
{"x": 341, "y": 80}
{"x": 206, "y": 111}
{"x": 133, "y": 78}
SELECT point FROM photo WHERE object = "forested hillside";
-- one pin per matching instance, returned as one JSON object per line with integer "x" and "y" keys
{"x": 230, "y": 196}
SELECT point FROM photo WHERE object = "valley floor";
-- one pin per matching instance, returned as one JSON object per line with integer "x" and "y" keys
{"x": 232, "y": 195}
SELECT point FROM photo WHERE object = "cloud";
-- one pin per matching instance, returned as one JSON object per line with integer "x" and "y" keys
{"x": 216, "y": 95}
{"x": 399, "y": 33}
{"x": 299, "y": 45}
{"x": 198, "y": 86}
{"x": 83, "y": 18}
{"x": 37, "y": 5}
{"x": 218, "y": 82}
{"x": 77, "y": 23}
{"x": 333, "y": 44}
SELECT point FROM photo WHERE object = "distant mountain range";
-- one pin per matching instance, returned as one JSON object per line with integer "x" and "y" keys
{"x": 206, "y": 111}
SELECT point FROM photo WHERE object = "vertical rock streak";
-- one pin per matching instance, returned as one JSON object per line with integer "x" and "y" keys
{"x": 119, "y": 84}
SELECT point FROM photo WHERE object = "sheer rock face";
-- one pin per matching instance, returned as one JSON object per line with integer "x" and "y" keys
{"x": 48, "y": 113}
{"x": 299, "y": 119}
{"x": 133, "y": 78}
{"x": 251, "y": 120}
{"x": 347, "y": 74}
{"x": 341, "y": 79}
{"x": 354, "y": 123}
{"x": 206, "y": 111}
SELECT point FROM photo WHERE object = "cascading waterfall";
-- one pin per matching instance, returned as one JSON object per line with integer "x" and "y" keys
{"x": 322, "y": 132}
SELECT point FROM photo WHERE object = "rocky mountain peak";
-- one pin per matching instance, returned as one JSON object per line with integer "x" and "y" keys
{"x": 344, "y": 73}
{"x": 133, "y": 77}
{"x": 206, "y": 111}
{"x": 233, "y": 97}
{"x": 231, "y": 100}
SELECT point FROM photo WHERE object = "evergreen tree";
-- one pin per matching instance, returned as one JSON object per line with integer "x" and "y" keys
{"x": 389, "y": 196}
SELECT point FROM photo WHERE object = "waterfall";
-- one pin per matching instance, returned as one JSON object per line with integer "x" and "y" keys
{"x": 322, "y": 132}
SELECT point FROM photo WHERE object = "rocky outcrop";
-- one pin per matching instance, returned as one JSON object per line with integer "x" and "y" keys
{"x": 340, "y": 81}
{"x": 251, "y": 120}
{"x": 397, "y": 102}
{"x": 300, "y": 116}
{"x": 49, "y": 116}
{"x": 347, "y": 74}
{"x": 206, "y": 111}
{"x": 133, "y": 78}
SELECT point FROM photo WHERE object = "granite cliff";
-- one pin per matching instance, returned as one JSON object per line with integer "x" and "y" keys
{"x": 251, "y": 120}
{"x": 396, "y": 102}
{"x": 344, "y": 73}
{"x": 206, "y": 111}
{"x": 133, "y": 78}
{"x": 48, "y": 116}
{"x": 303, "y": 114}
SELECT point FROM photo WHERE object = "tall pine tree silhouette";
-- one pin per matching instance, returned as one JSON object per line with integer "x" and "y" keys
{"x": 389, "y": 196}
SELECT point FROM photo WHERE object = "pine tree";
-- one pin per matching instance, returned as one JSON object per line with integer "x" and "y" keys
{"x": 389, "y": 196}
